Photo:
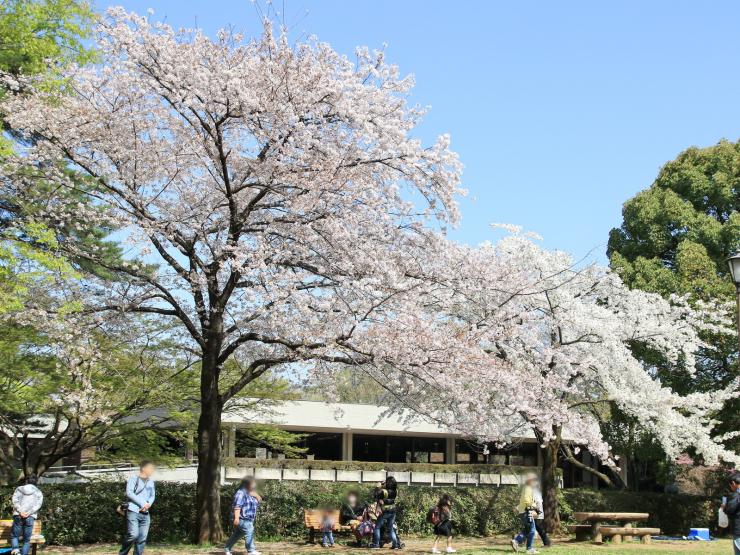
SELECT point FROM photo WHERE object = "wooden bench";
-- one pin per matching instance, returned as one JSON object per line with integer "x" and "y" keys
{"x": 36, "y": 538}
{"x": 597, "y": 530}
{"x": 616, "y": 533}
{"x": 312, "y": 521}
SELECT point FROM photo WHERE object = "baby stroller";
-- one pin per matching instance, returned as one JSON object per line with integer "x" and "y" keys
{"x": 385, "y": 536}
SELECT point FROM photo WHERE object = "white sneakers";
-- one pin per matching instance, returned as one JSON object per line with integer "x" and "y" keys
{"x": 532, "y": 551}
{"x": 450, "y": 550}
{"x": 435, "y": 550}
{"x": 514, "y": 544}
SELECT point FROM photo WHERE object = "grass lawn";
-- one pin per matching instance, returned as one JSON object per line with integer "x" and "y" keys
{"x": 465, "y": 546}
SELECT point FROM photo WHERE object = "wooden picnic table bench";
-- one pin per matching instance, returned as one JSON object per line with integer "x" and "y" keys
{"x": 312, "y": 521}
{"x": 596, "y": 529}
{"x": 36, "y": 538}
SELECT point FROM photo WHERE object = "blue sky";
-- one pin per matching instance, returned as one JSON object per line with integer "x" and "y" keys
{"x": 560, "y": 111}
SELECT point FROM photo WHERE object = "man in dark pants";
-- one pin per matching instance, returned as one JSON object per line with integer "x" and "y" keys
{"x": 732, "y": 509}
{"x": 539, "y": 522}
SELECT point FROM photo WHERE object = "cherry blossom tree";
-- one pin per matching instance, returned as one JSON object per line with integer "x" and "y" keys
{"x": 516, "y": 336}
{"x": 271, "y": 196}
{"x": 276, "y": 208}
{"x": 74, "y": 381}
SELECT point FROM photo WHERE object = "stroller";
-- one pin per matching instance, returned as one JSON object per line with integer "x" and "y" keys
{"x": 385, "y": 536}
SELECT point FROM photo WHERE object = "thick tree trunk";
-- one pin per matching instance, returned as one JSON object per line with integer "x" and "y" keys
{"x": 208, "y": 489}
{"x": 550, "y": 484}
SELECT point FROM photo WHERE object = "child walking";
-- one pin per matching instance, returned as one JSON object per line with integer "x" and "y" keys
{"x": 327, "y": 528}
{"x": 442, "y": 514}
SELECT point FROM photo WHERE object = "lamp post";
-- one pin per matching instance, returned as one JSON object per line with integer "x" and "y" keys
{"x": 734, "y": 262}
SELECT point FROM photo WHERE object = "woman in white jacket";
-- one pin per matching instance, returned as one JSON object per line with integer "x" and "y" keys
{"x": 27, "y": 501}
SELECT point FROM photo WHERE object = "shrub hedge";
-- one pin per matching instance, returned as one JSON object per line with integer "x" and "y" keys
{"x": 85, "y": 513}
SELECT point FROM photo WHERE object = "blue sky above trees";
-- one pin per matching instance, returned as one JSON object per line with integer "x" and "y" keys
{"x": 559, "y": 111}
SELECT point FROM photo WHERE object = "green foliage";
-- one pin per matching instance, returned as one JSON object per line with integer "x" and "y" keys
{"x": 132, "y": 410}
{"x": 695, "y": 199}
{"x": 84, "y": 513}
{"x": 674, "y": 239}
{"x": 40, "y": 36}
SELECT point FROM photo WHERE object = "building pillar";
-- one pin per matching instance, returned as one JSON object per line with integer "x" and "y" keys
{"x": 540, "y": 460}
{"x": 450, "y": 450}
{"x": 347, "y": 446}
{"x": 231, "y": 442}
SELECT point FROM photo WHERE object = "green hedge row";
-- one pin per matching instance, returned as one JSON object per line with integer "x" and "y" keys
{"x": 85, "y": 513}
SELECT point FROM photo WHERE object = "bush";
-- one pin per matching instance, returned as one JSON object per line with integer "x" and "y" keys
{"x": 85, "y": 513}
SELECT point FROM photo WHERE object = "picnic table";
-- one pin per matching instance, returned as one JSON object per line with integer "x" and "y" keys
{"x": 598, "y": 525}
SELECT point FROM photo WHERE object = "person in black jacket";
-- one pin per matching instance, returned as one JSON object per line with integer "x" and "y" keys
{"x": 732, "y": 509}
{"x": 385, "y": 494}
{"x": 351, "y": 514}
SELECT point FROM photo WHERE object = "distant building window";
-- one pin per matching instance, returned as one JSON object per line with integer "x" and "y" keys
{"x": 398, "y": 449}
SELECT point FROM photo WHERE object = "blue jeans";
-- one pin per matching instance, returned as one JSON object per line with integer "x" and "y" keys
{"x": 327, "y": 538}
{"x": 137, "y": 529}
{"x": 22, "y": 530}
{"x": 528, "y": 531}
{"x": 244, "y": 530}
{"x": 385, "y": 519}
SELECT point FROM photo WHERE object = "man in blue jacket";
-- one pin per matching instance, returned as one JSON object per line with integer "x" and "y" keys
{"x": 140, "y": 495}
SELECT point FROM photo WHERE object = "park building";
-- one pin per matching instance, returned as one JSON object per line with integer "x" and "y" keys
{"x": 351, "y": 442}
{"x": 362, "y": 436}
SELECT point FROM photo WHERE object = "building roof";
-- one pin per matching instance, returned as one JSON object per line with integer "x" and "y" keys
{"x": 318, "y": 416}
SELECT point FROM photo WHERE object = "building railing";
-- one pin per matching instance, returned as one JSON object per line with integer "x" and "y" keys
{"x": 372, "y": 472}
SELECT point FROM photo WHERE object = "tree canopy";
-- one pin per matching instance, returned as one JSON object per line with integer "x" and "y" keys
{"x": 674, "y": 240}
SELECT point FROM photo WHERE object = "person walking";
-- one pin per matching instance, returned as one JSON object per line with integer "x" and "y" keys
{"x": 140, "y": 494}
{"x": 27, "y": 500}
{"x": 246, "y": 503}
{"x": 527, "y": 510}
{"x": 443, "y": 524}
{"x": 386, "y": 496}
{"x": 539, "y": 521}
{"x": 732, "y": 510}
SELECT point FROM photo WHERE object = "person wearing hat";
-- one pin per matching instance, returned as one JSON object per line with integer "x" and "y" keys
{"x": 527, "y": 511}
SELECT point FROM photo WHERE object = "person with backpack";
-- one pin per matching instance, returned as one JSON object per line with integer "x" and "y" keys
{"x": 386, "y": 496}
{"x": 140, "y": 498}
{"x": 27, "y": 500}
{"x": 441, "y": 517}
